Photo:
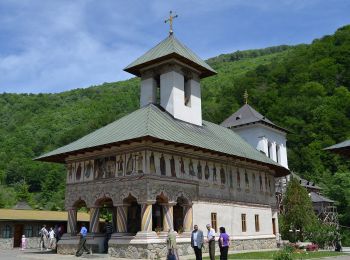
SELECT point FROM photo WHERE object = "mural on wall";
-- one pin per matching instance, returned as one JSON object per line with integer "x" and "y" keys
{"x": 140, "y": 162}
{"x": 172, "y": 167}
{"x": 120, "y": 167}
{"x": 190, "y": 167}
{"x": 130, "y": 165}
{"x": 222, "y": 175}
{"x": 88, "y": 169}
{"x": 104, "y": 167}
{"x": 238, "y": 179}
{"x": 162, "y": 165}
{"x": 214, "y": 173}
{"x": 152, "y": 166}
{"x": 206, "y": 171}
{"x": 199, "y": 170}
{"x": 78, "y": 172}
{"x": 182, "y": 166}
{"x": 246, "y": 179}
{"x": 110, "y": 167}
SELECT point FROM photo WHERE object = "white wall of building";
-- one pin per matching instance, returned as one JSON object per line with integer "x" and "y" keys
{"x": 229, "y": 216}
{"x": 261, "y": 137}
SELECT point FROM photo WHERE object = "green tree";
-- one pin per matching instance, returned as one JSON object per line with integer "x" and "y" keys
{"x": 298, "y": 215}
{"x": 22, "y": 191}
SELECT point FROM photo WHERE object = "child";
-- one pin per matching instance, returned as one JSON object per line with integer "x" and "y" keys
{"x": 24, "y": 242}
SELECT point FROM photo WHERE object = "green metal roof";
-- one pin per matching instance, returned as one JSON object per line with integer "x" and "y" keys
{"x": 152, "y": 121}
{"x": 168, "y": 48}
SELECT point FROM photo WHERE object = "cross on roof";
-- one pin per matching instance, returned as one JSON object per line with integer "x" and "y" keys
{"x": 246, "y": 96}
{"x": 170, "y": 20}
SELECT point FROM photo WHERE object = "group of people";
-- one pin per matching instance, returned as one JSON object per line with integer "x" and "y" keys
{"x": 49, "y": 238}
{"x": 197, "y": 243}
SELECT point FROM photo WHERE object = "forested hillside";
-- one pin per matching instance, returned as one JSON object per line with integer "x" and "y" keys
{"x": 304, "y": 88}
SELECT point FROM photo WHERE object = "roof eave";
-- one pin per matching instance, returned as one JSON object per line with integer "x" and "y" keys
{"x": 204, "y": 72}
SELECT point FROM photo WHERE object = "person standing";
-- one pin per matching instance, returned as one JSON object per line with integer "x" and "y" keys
{"x": 197, "y": 240}
{"x": 82, "y": 242}
{"x": 43, "y": 238}
{"x": 171, "y": 246}
{"x": 23, "y": 242}
{"x": 224, "y": 243}
{"x": 52, "y": 238}
{"x": 211, "y": 241}
{"x": 109, "y": 232}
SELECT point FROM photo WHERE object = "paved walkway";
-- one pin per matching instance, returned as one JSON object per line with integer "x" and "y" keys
{"x": 35, "y": 254}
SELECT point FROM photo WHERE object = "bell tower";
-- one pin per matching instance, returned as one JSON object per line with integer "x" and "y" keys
{"x": 170, "y": 77}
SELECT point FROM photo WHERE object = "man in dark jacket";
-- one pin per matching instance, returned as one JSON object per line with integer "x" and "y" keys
{"x": 197, "y": 240}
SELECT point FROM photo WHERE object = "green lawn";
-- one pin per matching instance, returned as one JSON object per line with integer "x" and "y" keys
{"x": 270, "y": 254}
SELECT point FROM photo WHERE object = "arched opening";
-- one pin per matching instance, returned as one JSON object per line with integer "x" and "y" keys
{"x": 158, "y": 213}
{"x": 133, "y": 221}
{"x": 179, "y": 214}
{"x": 80, "y": 206}
{"x": 106, "y": 212}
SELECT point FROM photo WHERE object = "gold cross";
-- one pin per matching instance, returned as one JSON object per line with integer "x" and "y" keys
{"x": 170, "y": 20}
{"x": 246, "y": 96}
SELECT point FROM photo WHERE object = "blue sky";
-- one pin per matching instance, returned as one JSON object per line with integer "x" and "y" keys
{"x": 54, "y": 46}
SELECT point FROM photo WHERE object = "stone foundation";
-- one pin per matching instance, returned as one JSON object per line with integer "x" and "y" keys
{"x": 6, "y": 243}
{"x": 131, "y": 247}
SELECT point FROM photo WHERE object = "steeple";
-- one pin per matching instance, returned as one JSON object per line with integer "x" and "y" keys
{"x": 170, "y": 76}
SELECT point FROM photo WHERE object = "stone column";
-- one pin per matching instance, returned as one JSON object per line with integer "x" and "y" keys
{"x": 188, "y": 218}
{"x": 122, "y": 216}
{"x": 94, "y": 220}
{"x": 114, "y": 218}
{"x": 168, "y": 216}
{"x": 146, "y": 217}
{"x": 72, "y": 221}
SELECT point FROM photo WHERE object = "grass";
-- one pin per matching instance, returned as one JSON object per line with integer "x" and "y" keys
{"x": 270, "y": 254}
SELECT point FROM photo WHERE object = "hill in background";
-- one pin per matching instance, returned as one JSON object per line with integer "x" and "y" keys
{"x": 303, "y": 88}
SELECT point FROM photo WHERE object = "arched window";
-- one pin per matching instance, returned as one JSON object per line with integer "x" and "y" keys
{"x": 190, "y": 167}
{"x": 199, "y": 170}
{"x": 231, "y": 178}
{"x": 214, "y": 173}
{"x": 172, "y": 167}
{"x": 278, "y": 156}
{"x": 261, "y": 182}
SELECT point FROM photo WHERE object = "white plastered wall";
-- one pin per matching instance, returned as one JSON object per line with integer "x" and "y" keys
{"x": 258, "y": 136}
{"x": 229, "y": 216}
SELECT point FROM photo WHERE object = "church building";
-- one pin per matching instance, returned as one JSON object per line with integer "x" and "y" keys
{"x": 163, "y": 167}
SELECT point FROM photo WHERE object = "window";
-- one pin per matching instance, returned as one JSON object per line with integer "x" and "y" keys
{"x": 257, "y": 225}
{"x": 7, "y": 232}
{"x": 278, "y": 159}
{"x": 28, "y": 230}
{"x": 274, "y": 226}
{"x": 187, "y": 93}
{"x": 244, "y": 222}
{"x": 269, "y": 149}
{"x": 157, "y": 79}
{"x": 214, "y": 224}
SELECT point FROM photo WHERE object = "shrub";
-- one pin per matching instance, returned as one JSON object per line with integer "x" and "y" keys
{"x": 283, "y": 255}
{"x": 312, "y": 247}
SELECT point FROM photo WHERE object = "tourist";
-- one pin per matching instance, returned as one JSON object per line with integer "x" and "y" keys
{"x": 109, "y": 232}
{"x": 224, "y": 243}
{"x": 211, "y": 241}
{"x": 23, "y": 242}
{"x": 171, "y": 246}
{"x": 52, "y": 238}
{"x": 43, "y": 238}
{"x": 197, "y": 240}
{"x": 82, "y": 242}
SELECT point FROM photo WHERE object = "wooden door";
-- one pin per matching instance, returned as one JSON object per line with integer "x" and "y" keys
{"x": 17, "y": 235}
